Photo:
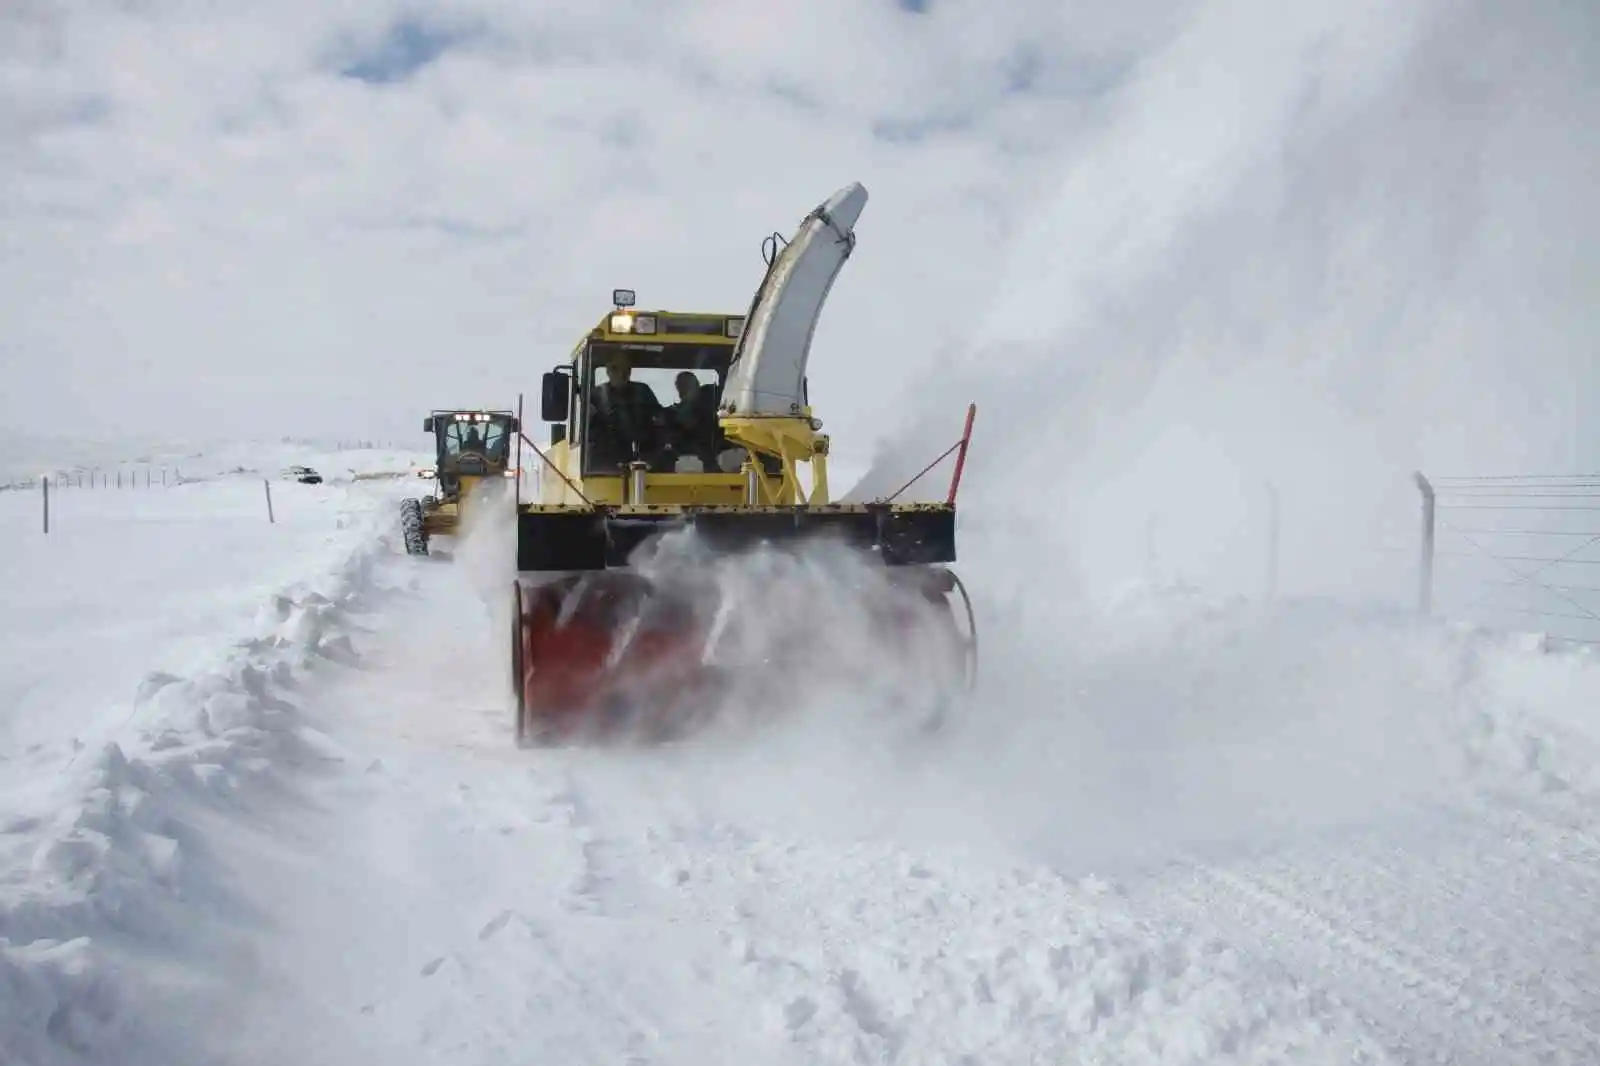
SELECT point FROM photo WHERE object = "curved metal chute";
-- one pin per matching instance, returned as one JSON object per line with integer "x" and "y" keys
{"x": 767, "y": 377}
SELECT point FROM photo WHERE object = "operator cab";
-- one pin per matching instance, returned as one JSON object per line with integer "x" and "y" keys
{"x": 474, "y": 443}
{"x": 644, "y": 386}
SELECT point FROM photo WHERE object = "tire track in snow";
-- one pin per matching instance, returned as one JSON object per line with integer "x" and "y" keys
{"x": 504, "y": 918}
{"x": 868, "y": 953}
{"x": 1458, "y": 942}
{"x": 635, "y": 988}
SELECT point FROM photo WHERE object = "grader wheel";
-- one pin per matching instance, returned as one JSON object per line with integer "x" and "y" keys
{"x": 411, "y": 527}
{"x": 519, "y": 677}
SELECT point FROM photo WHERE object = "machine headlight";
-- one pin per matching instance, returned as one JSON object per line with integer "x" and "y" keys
{"x": 734, "y": 327}
{"x": 644, "y": 323}
{"x": 622, "y": 323}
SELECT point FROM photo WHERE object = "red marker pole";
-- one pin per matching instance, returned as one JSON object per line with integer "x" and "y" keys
{"x": 961, "y": 456}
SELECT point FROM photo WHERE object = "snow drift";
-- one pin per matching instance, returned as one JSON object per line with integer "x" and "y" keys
{"x": 321, "y": 844}
{"x": 117, "y": 925}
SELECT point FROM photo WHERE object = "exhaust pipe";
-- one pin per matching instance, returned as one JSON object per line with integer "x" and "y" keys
{"x": 752, "y": 483}
{"x": 636, "y": 475}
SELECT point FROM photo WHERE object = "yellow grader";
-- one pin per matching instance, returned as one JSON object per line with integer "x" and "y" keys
{"x": 600, "y": 643}
{"x": 471, "y": 449}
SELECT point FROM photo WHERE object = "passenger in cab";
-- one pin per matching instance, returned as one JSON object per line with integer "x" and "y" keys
{"x": 691, "y": 423}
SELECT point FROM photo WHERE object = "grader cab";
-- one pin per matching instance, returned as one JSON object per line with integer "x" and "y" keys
{"x": 472, "y": 452}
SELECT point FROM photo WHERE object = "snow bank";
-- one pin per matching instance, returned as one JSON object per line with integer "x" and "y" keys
{"x": 1533, "y": 711}
{"x": 134, "y": 581}
{"x": 113, "y": 917}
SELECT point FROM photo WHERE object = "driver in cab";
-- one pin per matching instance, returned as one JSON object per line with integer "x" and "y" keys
{"x": 628, "y": 409}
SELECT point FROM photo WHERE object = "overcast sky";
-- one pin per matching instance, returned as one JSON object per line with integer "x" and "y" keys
{"x": 1170, "y": 247}
{"x": 295, "y": 213}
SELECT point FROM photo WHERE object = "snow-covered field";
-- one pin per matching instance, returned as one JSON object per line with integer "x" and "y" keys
{"x": 259, "y": 804}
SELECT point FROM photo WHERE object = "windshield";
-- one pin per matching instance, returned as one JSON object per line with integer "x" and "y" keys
{"x": 491, "y": 439}
{"x": 655, "y": 402}
{"x": 664, "y": 382}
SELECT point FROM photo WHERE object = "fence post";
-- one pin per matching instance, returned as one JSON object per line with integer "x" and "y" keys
{"x": 268, "y": 486}
{"x": 1425, "y": 571}
{"x": 1272, "y": 542}
{"x": 44, "y": 483}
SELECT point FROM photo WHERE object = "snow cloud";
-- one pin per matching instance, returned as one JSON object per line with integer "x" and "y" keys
{"x": 1306, "y": 251}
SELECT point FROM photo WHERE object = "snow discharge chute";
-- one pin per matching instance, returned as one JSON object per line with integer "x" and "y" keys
{"x": 675, "y": 565}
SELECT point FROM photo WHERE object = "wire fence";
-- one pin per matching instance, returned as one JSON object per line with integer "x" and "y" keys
{"x": 1514, "y": 551}
{"x": 136, "y": 477}
{"x": 156, "y": 474}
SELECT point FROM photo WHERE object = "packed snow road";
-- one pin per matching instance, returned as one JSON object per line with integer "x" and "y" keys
{"x": 1194, "y": 833}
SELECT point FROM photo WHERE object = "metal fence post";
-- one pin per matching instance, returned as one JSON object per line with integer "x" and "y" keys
{"x": 1425, "y": 571}
{"x": 44, "y": 483}
{"x": 268, "y": 486}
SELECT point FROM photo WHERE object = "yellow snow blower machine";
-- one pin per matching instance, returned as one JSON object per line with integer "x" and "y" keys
{"x": 694, "y": 427}
{"x": 471, "y": 450}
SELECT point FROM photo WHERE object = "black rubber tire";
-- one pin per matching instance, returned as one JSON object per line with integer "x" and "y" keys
{"x": 518, "y": 696}
{"x": 411, "y": 528}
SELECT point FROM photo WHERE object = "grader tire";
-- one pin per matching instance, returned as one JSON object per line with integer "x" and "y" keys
{"x": 411, "y": 528}
{"x": 518, "y": 680}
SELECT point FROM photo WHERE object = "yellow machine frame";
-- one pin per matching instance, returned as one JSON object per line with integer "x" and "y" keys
{"x": 557, "y": 530}
{"x": 788, "y": 442}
